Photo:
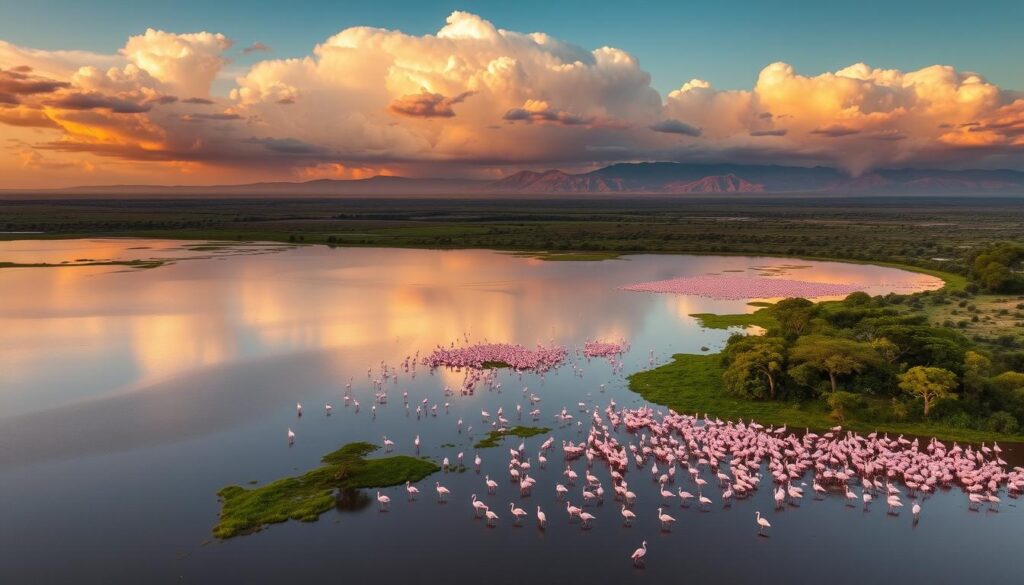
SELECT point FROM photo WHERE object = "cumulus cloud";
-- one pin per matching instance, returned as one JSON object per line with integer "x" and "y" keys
{"x": 858, "y": 117}
{"x": 186, "y": 63}
{"x": 371, "y": 98}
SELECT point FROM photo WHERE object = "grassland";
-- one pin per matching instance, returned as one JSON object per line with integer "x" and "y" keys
{"x": 926, "y": 233}
{"x": 692, "y": 384}
{"x": 987, "y": 316}
{"x": 311, "y": 494}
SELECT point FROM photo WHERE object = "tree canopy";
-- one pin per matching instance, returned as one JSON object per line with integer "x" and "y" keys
{"x": 754, "y": 365}
{"x": 997, "y": 268}
{"x": 928, "y": 383}
{"x": 834, "y": 356}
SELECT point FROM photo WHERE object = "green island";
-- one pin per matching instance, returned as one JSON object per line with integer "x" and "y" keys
{"x": 761, "y": 318}
{"x": 943, "y": 363}
{"x": 493, "y": 438}
{"x": 143, "y": 264}
{"x": 311, "y": 494}
{"x": 494, "y": 365}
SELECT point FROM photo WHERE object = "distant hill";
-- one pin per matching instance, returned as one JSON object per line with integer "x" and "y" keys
{"x": 662, "y": 178}
{"x": 669, "y": 177}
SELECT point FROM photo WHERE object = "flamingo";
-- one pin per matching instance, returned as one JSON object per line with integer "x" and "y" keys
{"x": 442, "y": 492}
{"x": 704, "y": 501}
{"x": 291, "y": 436}
{"x": 517, "y": 512}
{"x": 639, "y": 554}
{"x": 328, "y": 408}
{"x": 478, "y": 506}
{"x": 993, "y": 501}
{"x": 542, "y": 518}
{"x": 388, "y": 444}
{"x": 491, "y": 517}
{"x": 383, "y": 501}
{"x": 586, "y": 517}
{"x": 492, "y": 486}
{"x": 572, "y": 510}
{"x": 762, "y": 523}
{"x": 916, "y": 510}
{"x": 627, "y": 516}
{"x": 412, "y": 490}
{"x": 684, "y": 497}
{"x": 666, "y": 520}
{"x": 298, "y": 408}
{"x": 416, "y": 442}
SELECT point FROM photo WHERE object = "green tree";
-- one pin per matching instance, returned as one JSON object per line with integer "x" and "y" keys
{"x": 977, "y": 369}
{"x": 928, "y": 383}
{"x": 996, "y": 268}
{"x": 754, "y": 367}
{"x": 794, "y": 316}
{"x": 834, "y": 356}
{"x": 1009, "y": 381}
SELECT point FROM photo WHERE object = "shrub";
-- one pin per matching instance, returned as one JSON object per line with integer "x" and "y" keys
{"x": 899, "y": 410}
{"x": 960, "y": 420}
{"x": 1003, "y": 422}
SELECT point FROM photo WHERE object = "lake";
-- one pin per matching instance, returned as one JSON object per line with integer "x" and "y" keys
{"x": 129, "y": 396}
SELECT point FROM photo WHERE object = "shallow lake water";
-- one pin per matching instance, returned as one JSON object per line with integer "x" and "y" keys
{"x": 128, "y": 397}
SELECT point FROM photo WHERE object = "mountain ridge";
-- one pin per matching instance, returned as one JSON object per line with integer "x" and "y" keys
{"x": 654, "y": 178}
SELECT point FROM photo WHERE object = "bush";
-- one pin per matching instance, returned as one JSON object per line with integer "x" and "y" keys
{"x": 960, "y": 420}
{"x": 1003, "y": 422}
{"x": 842, "y": 402}
{"x": 899, "y": 410}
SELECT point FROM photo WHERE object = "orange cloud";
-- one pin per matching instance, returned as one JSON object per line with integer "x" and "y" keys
{"x": 372, "y": 98}
{"x": 427, "y": 105}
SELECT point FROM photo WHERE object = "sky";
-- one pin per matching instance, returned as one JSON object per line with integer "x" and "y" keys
{"x": 215, "y": 92}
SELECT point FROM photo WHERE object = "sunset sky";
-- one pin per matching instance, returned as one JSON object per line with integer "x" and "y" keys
{"x": 219, "y": 92}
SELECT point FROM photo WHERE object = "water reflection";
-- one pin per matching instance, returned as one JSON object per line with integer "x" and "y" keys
{"x": 352, "y": 500}
{"x": 152, "y": 389}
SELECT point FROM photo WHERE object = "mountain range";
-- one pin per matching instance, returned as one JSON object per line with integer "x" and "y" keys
{"x": 654, "y": 178}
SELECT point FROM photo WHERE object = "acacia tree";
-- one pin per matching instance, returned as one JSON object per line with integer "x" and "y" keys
{"x": 834, "y": 356}
{"x": 755, "y": 364}
{"x": 928, "y": 383}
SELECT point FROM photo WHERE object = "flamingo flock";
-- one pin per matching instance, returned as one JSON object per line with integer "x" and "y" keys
{"x": 744, "y": 287}
{"x": 696, "y": 461}
{"x": 739, "y": 458}
{"x": 604, "y": 349}
{"x": 541, "y": 359}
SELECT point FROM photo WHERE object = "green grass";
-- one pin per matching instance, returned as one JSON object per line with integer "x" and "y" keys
{"x": 493, "y": 438}
{"x": 692, "y": 384}
{"x": 494, "y": 365}
{"x": 144, "y": 264}
{"x": 571, "y": 256}
{"x": 997, "y": 315}
{"x": 760, "y": 318}
{"x": 307, "y": 496}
